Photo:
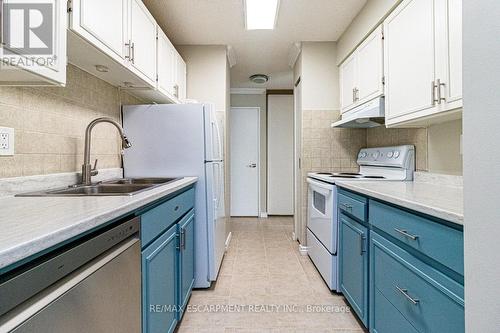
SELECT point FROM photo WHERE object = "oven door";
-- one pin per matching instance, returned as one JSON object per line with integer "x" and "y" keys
{"x": 321, "y": 219}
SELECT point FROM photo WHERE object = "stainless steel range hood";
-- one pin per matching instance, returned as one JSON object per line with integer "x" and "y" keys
{"x": 368, "y": 115}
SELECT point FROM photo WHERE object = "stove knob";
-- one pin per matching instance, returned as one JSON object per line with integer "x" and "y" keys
{"x": 376, "y": 154}
{"x": 396, "y": 154}
{"x": 362, "y": 155}
{"x": 390, "y": 154}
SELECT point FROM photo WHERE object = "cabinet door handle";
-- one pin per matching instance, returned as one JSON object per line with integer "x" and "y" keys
{"x": 347, "y": 207}
{"x": 129, "y": 52}
{"x": 406, "y": 234}
{"x": 362, "y": 244}
{"x": 433, "y": 93}
{"x": 354, "y": 95}
{"x": 414, "y": 301}
{"x": 176, "y": 90}
{"x": 439, "y": 84}
{"x": 183, "y": 239}
{"x": 132, "y": 47}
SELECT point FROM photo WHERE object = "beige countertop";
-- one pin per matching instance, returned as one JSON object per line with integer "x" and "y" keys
{"x": 30, "y": 225}
{"x": 441, "y": 201}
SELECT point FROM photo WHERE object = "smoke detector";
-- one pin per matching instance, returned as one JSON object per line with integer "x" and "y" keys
{"x": 259, "y": 78}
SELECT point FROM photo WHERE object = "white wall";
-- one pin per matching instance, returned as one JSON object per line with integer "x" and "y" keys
{"x": 370, "y": 16}
{"x": 481, "y": 165}
{"x": 206, "y": 73}
{"x": 320, "y": 76}
{"x": 443, "y": 148}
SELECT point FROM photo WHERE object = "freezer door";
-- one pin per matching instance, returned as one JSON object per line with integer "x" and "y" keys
{"x": 213, "y": 137}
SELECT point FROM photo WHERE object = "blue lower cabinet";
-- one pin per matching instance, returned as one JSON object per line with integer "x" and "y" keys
{"x": 385, "y": 318}
{"x": 354, "y": 265}
{"x": 159, "y": 283}
{"x": 425, "y": 298}
{"x": 186, "y": 260}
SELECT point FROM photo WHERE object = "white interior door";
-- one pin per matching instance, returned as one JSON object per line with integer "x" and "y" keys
{"x": 280, "y": 118}
{"x": 244, "y": 161}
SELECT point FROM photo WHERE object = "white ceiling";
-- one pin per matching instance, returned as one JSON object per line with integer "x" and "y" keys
{"x": 259, "y": 51}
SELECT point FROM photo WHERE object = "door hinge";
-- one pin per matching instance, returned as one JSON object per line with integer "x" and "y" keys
{"x": 383, "y": 80}
{"x": 70, "y": 6}
{"x": 156, "y": 77}
{"x": 383, "y": 35}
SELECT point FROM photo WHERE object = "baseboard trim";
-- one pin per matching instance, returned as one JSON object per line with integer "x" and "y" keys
{"x": 263, "y": 215}
{"x": 228, "y": 240}
{"x": 303, "y": 250}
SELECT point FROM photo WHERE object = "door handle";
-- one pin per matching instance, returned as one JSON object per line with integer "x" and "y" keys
{"x": 183, "y": 239}
{"x": 129, "y": 51}
{"x": 404, "y": 292}
{"x": 406, "y": 234}
{"x": 362, "y": 246}
{"x": 252, "y": 165}
{"x": 439, "y": 84}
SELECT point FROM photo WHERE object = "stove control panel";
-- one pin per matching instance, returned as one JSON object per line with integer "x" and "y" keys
{"x": 398, "y": 156}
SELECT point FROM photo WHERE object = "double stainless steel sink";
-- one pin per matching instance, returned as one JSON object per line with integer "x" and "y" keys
{"x": 117, "y": 187}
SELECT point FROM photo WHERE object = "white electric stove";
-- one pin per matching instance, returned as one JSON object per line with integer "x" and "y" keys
{"x": 375, "y": 164}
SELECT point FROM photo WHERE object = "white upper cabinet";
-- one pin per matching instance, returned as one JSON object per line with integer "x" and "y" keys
{"x": 361, "y": 75}
{"x": 142, "y": 43}
{"x": 422, "y": 62}
{"x": 167, "y": 65}
{"x": 348, "y": 83}
{"x": 40, "y": 59}
{"x": 370, "y": 67}
{"x": 105, "y": 29}
{"x": 180, "y": 77}
{"x": 120, "y": 42}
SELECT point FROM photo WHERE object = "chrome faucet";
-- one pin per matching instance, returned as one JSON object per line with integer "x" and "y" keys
{"x": 87, "y": 170}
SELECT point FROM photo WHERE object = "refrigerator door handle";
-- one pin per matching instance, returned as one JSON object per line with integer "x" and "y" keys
{"x": 218, "y": 138}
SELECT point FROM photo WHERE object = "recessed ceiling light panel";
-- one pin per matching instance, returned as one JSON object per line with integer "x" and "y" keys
{"x": 261, "y": 14}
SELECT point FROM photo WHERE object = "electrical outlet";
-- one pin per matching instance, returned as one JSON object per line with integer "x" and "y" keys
{"x": 6, "y": 141}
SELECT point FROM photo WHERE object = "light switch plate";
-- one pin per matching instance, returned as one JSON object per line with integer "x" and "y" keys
{"x": 6, "y": 141}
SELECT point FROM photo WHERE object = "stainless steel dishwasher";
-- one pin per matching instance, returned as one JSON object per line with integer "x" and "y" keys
{"x": 91, "y": 285}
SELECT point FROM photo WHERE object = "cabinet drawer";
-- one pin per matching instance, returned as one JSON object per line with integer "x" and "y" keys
{"x": 386, "y": 318}
{"x": 435, "y": 240}
{"x": 429, "y": 300}
{"x": 353, "y": 205}
{"x": 158, "y": 219}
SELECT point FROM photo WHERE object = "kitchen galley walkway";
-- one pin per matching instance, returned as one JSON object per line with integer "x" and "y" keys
{"x": 266, "y": 286}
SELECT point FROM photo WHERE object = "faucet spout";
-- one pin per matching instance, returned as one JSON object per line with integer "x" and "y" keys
{"x": 87, "y": 170}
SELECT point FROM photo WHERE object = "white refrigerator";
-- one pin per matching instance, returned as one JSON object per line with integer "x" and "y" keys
{"x": 179, "y": 141}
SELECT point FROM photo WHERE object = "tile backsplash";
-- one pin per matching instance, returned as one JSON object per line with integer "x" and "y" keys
{"x": 382, "y": 136}
{"x": 50, "y": 125}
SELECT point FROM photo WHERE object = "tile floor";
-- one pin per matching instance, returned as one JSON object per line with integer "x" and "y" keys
{"x": 266, "y": 286}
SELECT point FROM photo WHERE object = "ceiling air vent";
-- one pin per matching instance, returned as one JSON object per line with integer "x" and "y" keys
{"x": 259, "y": 78}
